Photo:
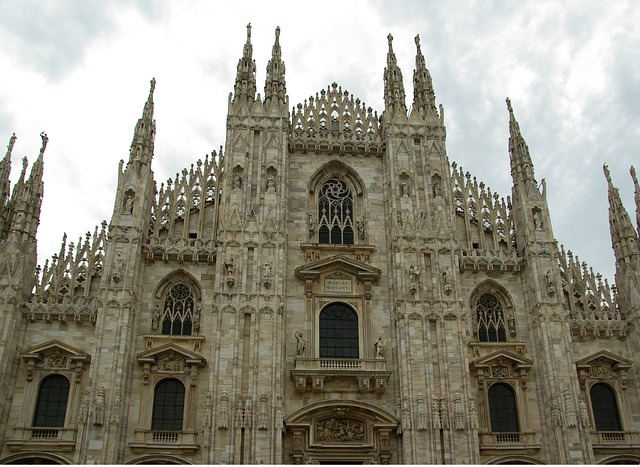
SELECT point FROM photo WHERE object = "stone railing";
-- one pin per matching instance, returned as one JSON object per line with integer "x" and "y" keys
{"x": 526, "y": 441}
{"x": 370, "y": 374}
{"x": 607, "y": 440}
{"x": 150, "y": 440}
{"x": 44, "y": 439}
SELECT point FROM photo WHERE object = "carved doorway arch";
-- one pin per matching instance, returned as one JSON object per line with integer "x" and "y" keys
{"x": 341, "y": 432}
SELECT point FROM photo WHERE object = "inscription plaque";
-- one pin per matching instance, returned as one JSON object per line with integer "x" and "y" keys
{"x": 337, "y": 285}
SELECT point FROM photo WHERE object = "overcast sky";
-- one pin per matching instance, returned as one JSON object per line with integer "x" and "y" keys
{"x": 80, "y": 71}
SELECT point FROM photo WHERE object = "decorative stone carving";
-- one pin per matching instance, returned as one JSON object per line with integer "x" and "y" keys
{"x": 458, "y": 412}
{"x": 115, "y": 407}
{"x": 584, "y": 412}
{"x": 155, "y": 317}
{"x": 57, "y": 360}
{"x": 569, "y": 409}
{"x": 549, "y": 281}
{"x": 279, "y": 413}
{"x": 207, "y": 411}
{"x": 223, "y": 411}
{"x": 473, "y": 414}
{"x": 118, "y": 268}
{"x": 421, "y": 413}
{"x": 556, "y": 413}
{"x": 98, "y": 408}
{"x": 172, "y": 362}
{"x": 447, "y": 283}
{"x": 229, "y": 268}
{"x": 339, "y": 430}
{"x": 83, "y": 411}
{"x": 263, "y": 413}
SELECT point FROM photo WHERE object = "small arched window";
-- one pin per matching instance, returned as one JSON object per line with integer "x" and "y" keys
{"x": 177, "y": 316}
{"x": 605, "y": 408}
{"x": 338, "y": 332}
{"x": 335, "y": 213}
{"x": 503, "y": 410}
{"x": 168, "y": 405}
{"x": 51, "y": 407}
{"x": 491, "y": 325}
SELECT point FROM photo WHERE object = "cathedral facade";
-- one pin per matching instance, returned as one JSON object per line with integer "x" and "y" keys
{"x": 326, "y": 288}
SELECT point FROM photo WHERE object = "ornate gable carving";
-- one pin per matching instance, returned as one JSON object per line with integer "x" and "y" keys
{"x": 603, "y": 365}
{"x": 338, "y": 264}
{"x": 55, "y": 355}
{"x": 170, "y": 359}
{"x": 501, "y": 365}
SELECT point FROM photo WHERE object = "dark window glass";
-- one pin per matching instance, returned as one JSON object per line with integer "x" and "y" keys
{"x": 338, "y": 332}
{"x": 605, "y": 408}
{"x": 490, "y": 319}
{"x": 52, "y": 402}
{"x": 502, "y": 409}
{"x": 168, "y": 405}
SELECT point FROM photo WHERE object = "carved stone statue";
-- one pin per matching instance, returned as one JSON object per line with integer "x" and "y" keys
{"x": 300, "y": 344}
{"x": 379, "y": 346}
{"x": 271, "y": 184}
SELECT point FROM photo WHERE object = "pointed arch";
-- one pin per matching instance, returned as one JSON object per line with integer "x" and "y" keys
{"x": 337, "y": 168}
{"x": 177, "y": 305}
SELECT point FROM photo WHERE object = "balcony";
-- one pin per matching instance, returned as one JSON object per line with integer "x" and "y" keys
{"x": 512, "y": 442}
{"x": 149, "y": 441}
{"x": 312, "y": 373}
{"x": 603, "y": 441}
{"x": 43, "y": 439}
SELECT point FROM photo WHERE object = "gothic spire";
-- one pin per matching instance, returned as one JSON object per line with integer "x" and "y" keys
{"x": 624, "y": 239}
{"x": 424, "y": 99}
{"x": 521, "y": 165}
{"x": 5, "y": 170}
{"x": 275, "y": 87}
{"x": 144, "y": 133}
{"x": 637, "y": 196}
{"x": 394, "y": 97}
{"x": 245, "y": 87}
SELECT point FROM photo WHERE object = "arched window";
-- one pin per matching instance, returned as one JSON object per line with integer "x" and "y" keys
{"x": 177, "y": 316}
{"x": 335, "y": 213}
{"x": 503, "y": 410}
{"x": 338, "y": 332}
{"x": 51, "y": 407}
{"x": 605, "y": 408}
{"x": 490, "y": 319}
{"x": 168, "y": 405}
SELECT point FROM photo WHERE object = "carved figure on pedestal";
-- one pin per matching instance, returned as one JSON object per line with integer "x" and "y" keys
{"x": 551, "y": 286}
{"x": 300, "y": 344}
{"x": 271, "y": 184}
{"x": 379, "y": 346}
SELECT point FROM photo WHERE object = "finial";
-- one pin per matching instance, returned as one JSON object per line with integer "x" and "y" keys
{"x": 12, "y": 141}
{"x": 417, "y": 39}
{"x": 45, "y": 140}
{"x": 607, "y": 174}
{"x": 248, "y": 31}
{"x": 632, "y": 170}
{"x": 277, "y": 32}
{"x": 509, "y": 108}
{"x": 153, "y": 85}
{"x": 390, "y": 39}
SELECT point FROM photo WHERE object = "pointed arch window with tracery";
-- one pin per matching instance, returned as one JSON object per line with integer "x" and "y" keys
{"x": 335, "y": 213}
{"x": 490, "y": 319}
{"x": 178, "y": 306}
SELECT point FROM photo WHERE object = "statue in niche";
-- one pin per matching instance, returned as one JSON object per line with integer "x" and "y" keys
{"x": 128, "y": 204}
{"x": 437, "y": 191}
{"x": 196, "y": 320}
{"x": 300, "y": 344}
{"x": 379, "y": 346}
{"x": 237, "y": 182}
{"x": 271, "y": 184}
{"x": 267, "y": 270}
{"x": 551, "y": 287}
{"x": 404, "y": 187}
{"x": 118, "y": 266}
{"x": 414, "y": 273}
{"x": 447, "y": 282}
{"x": 537, "y": 220}
{"x": 98, "y": 411}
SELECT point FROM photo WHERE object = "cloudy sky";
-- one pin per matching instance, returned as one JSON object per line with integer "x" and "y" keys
{"x": 80, "y": 70}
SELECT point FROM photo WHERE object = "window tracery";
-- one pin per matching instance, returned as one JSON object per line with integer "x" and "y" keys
{"x": 178, "y": 311}
{"x": 491, "y": 325}
{"x": 335, "y": 213}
